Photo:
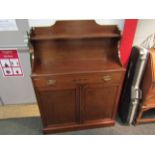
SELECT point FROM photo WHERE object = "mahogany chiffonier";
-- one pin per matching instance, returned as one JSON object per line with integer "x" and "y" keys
{"x": 77, "y": 74}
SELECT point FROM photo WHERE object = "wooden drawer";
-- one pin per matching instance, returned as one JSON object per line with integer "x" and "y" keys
{"x": 106, "y": 78}
{"x": 54, "y": 81}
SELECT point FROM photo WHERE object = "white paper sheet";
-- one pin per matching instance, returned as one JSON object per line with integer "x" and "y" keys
{"x": 8, "y": 25}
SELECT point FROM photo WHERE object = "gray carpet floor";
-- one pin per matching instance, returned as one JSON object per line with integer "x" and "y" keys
{"x": 33, "y": 126}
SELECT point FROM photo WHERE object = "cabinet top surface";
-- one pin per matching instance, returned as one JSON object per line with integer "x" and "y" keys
{"x": 75, "y": 29}
{"x": 58, "y": 68}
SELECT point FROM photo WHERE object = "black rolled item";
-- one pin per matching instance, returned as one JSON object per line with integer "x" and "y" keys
{"x": 131, "y": 93}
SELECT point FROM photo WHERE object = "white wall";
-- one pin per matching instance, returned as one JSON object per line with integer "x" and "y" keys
{"x": 41, "y": 22}
{"x": 145, "y": 28}
{"x": 118, "y": 22}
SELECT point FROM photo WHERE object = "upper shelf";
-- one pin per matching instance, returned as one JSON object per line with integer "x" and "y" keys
{"x": 75, "y": 29}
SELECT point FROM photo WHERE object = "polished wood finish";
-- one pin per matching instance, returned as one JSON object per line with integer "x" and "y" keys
{"x": 77, "y": 74}
{"x": 96, "y": 96}
{"x": 148, "y": 89}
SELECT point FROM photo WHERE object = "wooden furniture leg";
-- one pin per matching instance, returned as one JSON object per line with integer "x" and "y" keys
{"x": 139, "y": 116}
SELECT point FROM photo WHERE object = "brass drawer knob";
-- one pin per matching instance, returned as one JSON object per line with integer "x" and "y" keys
{"x": 107, "y": 78}
{"x": 51, "y": 82}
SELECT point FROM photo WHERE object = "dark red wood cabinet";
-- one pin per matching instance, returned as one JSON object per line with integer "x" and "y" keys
{"x": 77, "y": 74}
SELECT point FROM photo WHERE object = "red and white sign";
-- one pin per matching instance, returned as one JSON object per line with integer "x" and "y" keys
{"x": 10, "y": 63}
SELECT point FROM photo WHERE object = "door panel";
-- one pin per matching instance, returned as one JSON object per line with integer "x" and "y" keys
{"x": 59, "y": 106}
{"x": 99, "y": 101}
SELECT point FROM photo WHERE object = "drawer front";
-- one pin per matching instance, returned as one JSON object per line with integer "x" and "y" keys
{"x": 56, "y": 81}
{"x": 106, "y": 78}
{"x": 53, "y": 81}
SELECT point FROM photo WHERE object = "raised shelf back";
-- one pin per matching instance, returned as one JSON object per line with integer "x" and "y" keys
{"x": 75, "y": 46}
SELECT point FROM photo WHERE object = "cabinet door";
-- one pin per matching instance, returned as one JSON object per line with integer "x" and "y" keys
{"x": 58, "y": 105}
{"x": 99, "y": 102}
